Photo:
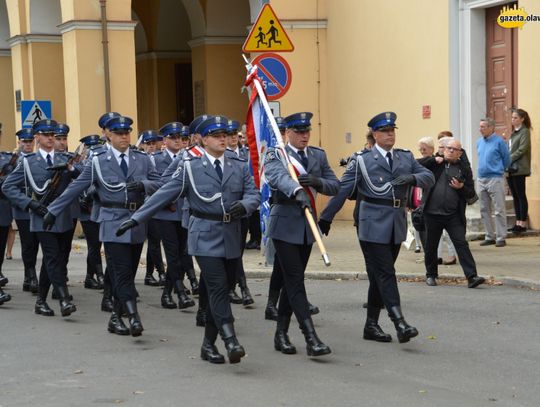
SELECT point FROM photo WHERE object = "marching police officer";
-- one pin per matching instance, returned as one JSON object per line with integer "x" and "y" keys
{"x": 381, "y": 176}
{"x": 154, "y": 259}
{"x": 288, "y": 228}
{"x": 29, "y": 240}
{"x": 220, "y": 192}
{"x": 121, "y": 177}
{"x": 233, "y": 147}
{"x": 94, "y": 279}
{"x": 168, "y": 220}
{"x": 7, "y": 164}
{"x": 46, "y": 174}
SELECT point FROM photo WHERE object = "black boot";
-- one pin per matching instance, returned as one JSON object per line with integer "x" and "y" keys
{"x": 247, "y": 299}
{"x": 313, "y": 309}
{"x": 193, "y": 282}
{"x": 271, "y": 312}
{"x": 372, "y": 330}
{"x": 235, "y": 299}
{"x": 41, "y": 307}
{"x": 162, "y": 275}
{"x": 107, "y": 302}
{"x": 90, "y": 282}
{"x": 281, "y": 338}
{"x": 34, "y": 284}
{"x": 404, "y": 331}
{"x": 99, "y": 275}
{"x": 209, "y": 351}
{"x": 235, "y": 351}
{"x": 3, "y": 280}
{"x": 150, "y": 280}
{"x": 314, "y": 346}
{"x": 116, "y": 325}
{"x": 56, "y": 296}
{"x": 183, "y": 299}
{"x": 4, "y": 297}
{"x": 200, "y": 319}
{"x": 135, "y": 324}
{"x": 166, "y": 297}
{"x": 66, "y": 307}
{"x": 26, "y": 281}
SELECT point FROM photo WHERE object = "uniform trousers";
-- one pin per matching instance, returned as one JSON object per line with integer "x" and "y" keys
{"x": 456, "y": 230}
{"x": 491, "y": 193}
{"x": 122, "y": 262}
{"x": 293, "y": 259}
{"x": 276, "y": 279}
{"x": 240, "y": 273}
{"x": 380, "y": 259}
{"x": 91, "y": 234}
{"x": 54, "y": 247}
{"x": 29, "y": 244}
{"x": 66, "y": 254}
{"x": 255, "y": 226}
{"x": 174, "y": 238}
{"x": 4, "y": 231}
{"x": 154, "y": 259}
{"x": 218, "y": 274}
{"x": 185, "y": 258}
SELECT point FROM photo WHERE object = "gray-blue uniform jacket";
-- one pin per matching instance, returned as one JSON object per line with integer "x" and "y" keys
{"x": 287, "y": 220}
{"x": 19, "y": 213}
{"x": 377, "y": 223}
{"x": 197, "y": 181}
{"x": 163, "y": 160}
{"x": 114, "y": 199}
{"x": 5, "y": 207}
{"x": 94, "y": 150}
{"x": 19, "y": 179}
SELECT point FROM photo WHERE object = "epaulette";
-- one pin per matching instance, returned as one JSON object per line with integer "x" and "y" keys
{"x": 99, "y": 152}
{"x": 157, "y": 152}
{"x": 190, "y": 157}
{"x": 316, "y": 148}
{"x": 139, "y": 152}
{"x": 361, "y": 152}
{"x": 402, "y": 149}
{"x": 235, "y": 157}
{"x": 29, "y": 154}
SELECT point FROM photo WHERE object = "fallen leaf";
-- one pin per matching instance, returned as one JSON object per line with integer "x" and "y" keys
{"x": 432, "y": 337}
{"x": 78, "y": 371}
{"x": 422, "y": 391}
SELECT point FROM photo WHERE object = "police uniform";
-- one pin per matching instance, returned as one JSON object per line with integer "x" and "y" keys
{"x": 168, "y": 221}
{"x": 289, "y": 230}
{"x": 29, "y": 240}
{"x": 381, "y": 178}
{"x": 34, "y": 172}
{"x": 7, "y": 164}
{"x": 154, "y": 259}
{"x": 121, "y": 180}
{"x": 240, "y": 278}
{"x": 94, "y": 279}
{"x": 220, "y": 191}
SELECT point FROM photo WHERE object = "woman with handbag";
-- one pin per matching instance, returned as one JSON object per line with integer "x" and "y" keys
{"x": 520, "y": 167}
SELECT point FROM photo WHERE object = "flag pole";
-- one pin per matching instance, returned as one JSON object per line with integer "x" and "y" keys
{"x": 292, "y": 173}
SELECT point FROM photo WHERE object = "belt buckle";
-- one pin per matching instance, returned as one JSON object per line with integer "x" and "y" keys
{"x": 397, "y": 203}
{"x": 132, "y": 206}
{"x": 226, "y": 218}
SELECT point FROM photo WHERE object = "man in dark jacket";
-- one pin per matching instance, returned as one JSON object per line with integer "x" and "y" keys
{"x": 444, "y": 208}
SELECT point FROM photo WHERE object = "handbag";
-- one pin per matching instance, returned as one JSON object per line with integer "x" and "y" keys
{"x": 417, "y": 219}
{"x": 513, "y": 167}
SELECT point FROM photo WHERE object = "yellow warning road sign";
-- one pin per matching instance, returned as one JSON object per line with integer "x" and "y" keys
{"x": 267, "y": 34}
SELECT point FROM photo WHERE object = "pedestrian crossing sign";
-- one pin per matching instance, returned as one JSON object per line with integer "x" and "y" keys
{"x": 33, "y": 111}
{"x": 267, "y": 34}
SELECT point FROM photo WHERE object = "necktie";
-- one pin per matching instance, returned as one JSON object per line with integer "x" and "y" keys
{"x": 123, "y": 164}
{"x": 217, "y": 163}
{"x": 390, "y": 161}
{"x": 49, "y": 161}
{"x": 303, "y": 157}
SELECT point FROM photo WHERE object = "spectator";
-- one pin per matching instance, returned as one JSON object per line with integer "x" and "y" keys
{"x": 426, "y": 146}
{"x": 493, "y": 160}
{"x": 444, "y": 208}
{"x": 520, "y": 156}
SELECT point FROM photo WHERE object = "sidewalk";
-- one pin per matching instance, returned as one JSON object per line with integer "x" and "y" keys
{"x": 516, "y": 264}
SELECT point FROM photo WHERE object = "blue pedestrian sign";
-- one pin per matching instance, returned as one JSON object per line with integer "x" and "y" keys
{"x": 33, "y": 111}
{"x": 275, "y": 74}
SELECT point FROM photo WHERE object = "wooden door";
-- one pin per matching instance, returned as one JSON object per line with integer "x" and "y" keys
{"x": 501, "y": 71}
{"x": 184, "y": 93}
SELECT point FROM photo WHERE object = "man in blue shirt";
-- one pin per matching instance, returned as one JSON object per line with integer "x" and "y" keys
{"x": 493, "y": 159}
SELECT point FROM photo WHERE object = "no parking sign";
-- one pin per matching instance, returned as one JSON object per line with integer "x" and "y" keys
{"x": 275, "y": 74}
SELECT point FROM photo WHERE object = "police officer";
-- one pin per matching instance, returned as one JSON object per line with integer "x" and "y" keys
{"x": 121, "y": 177}
{"x": 7, "y": 164}
{"x": 381, "y": 176}
{"x": 168, "y": 220}
{"x": 29, "y": 240}
{"x": 94, "y": 279}
{"x": 46, "y": 174}
{"x": 288, "y": 228}
{"x": 220, "y": 191}
{"x": 233, "y": 147}
{"x": 154, "y": 259}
